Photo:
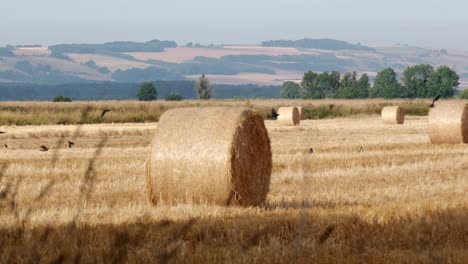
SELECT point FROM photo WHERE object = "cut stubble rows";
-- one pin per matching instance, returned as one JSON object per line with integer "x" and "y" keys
{"x": 399, "y": 198}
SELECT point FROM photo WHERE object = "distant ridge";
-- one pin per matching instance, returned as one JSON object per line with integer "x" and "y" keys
{"x": 307, "y": 43}
{"x": 154, "y": 45}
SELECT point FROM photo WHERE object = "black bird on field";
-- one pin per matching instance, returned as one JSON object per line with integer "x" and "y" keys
{"x": 2, "y": 132}
{"x": 70, "y": 144}
{"x": 361, "y": 149}
{"x": 44, "y": 148}
{"x": 274, "y": 114}
{"x": 105, "y": 111}
{"x": 433, "y": 101}
{"x": 326, "y": 234}
{"x": 6, "y": 146}
{"x": 311, "y": 150}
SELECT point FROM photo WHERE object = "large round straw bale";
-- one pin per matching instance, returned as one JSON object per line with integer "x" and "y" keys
{"x": 393, "y": 115}
{"x": 218, "y": 155}
{"x": 448, "y": 123}
{"x": 289, "y": 116}
{"x": 302, "y": 112}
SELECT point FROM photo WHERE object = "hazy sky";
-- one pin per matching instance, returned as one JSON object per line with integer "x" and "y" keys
{"x": 441, "y": 24}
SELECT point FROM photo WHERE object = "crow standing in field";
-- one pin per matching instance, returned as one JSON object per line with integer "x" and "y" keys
{"x": 6, "y": 146}
{"x": 70, "y": 144}
{"x": 326, "y": 234}
{"x": 361, "y": 149}
{"x": 2, "y": 132}
{"x": 105, "y": 111}
{"x": 311, "y": 150}
{"x": 44, "y": 148}
{"x": 274, "y": 114}
{"x": 433, "y": 101}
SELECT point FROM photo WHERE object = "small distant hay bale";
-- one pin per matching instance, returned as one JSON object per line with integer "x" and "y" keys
{"x": 218, "y": 155}
{"x": 393, "y": 115}
{"x": 289, "y": 116}
{"x": 302, "y": 112}
{"x": 448, "y": 123}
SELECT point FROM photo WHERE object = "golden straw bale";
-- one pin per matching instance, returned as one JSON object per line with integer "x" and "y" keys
{"x": 448, "y": 123}
{"x": 289, "y": 116}
{"x": 393, "y": 115}
{"x": 302, "y": 112}
{"x": 217, "y": 155}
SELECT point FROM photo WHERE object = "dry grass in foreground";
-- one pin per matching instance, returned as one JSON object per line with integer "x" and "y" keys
{"x": 48, "y": 113}
{"x": 400, "y": 200}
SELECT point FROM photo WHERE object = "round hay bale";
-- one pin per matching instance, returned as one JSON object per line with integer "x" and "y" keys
{"x": 393, "y": 115}
{"x": 288, "y": 116}
{"x": 218, "y": 155}
{"x": 302, "y": 112}
{"x": 448, "y": 123}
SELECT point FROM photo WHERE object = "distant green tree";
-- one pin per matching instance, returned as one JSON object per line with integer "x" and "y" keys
{"x": 61, "y": 98}
{"x": 443, "y": 82}
{"x": 362, "y": 87}
{"x": 416, "y": 81}
{"x": 346, "y": 90}
{"x": 386, "y": 85}
{"x": 464, "y": 94}
{"x": 291, "y": 90}
{"x": 329, "y": 82}
{"x": 320, "y": 86}
{"x": 310, "y": 90}
{"x": 203, "y": 88}
{"x": 351, "y": 87}
{"x": 174, "y": 97}
{"x": 147, "y": 92}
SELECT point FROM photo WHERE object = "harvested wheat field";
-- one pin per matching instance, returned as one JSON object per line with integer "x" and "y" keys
{"x": 396, "y": 199}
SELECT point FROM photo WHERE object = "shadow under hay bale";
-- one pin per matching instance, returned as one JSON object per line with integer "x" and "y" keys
{"x": 289, "y": 116}
{"x": 448, "y": 123}
{"x": 216, "y": 155}
{"x": 302, "y": 112}
{"x": 392, "y": 115}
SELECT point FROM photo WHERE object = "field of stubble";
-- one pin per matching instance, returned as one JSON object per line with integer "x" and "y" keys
{"x": 401, "y": 199}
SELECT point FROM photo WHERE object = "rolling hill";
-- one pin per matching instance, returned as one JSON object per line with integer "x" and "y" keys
{"x": 270, "y": 63}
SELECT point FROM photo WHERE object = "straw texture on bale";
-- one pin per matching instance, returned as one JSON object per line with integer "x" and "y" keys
{"x": 302, "y": 112}
{"x": 289, "y": 116}
{"x": 216, "y": 155}
{"x": 448, "y": 123}
{"x": 393, "y": 115}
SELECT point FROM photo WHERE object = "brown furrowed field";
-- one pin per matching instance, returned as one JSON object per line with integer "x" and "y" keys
{"x": 401, "y": 199}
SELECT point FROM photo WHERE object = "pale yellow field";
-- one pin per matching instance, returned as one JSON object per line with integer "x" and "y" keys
{"x": 255, "y": 78}
{"x": 181, "y": 54}
{"x": 400, "y": 200}
{"x": 32, "y": 51}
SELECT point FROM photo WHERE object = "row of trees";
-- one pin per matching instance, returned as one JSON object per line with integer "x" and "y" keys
{"x": 148, "y": 91}
{"x": 419, "y": 81}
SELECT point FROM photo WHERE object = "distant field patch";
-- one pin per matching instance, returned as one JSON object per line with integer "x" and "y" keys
{"x": 109, "y": 62}
{"x": 181, "y": 54}
{"x": 255, "y": 78}
{"x": 31, "y": 51}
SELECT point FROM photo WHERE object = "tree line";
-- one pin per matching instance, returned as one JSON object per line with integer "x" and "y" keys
{"x": 128, "y": 91}
{"x": 419, "y": 81}
{"x": 307, "y": 43}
